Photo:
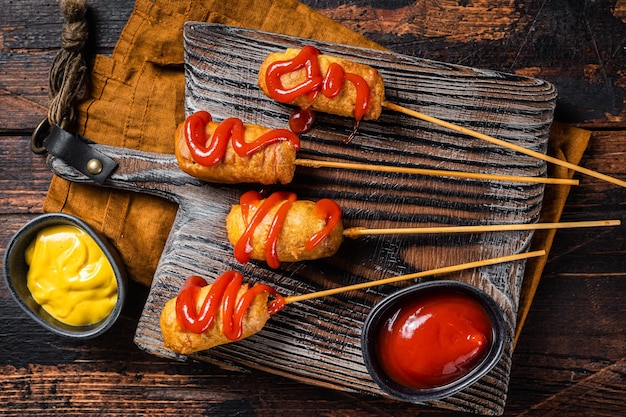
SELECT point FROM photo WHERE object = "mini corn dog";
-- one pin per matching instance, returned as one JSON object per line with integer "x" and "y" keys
{"x": 232, "y": 152}
{"x": 297, "y": 76}
{"x": 203, "y": 316}
{"x": 304, "y": 78}
{"x": 281, "y": 228}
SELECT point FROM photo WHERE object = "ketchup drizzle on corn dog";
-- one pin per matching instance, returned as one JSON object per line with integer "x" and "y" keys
{"x": 230, "y": 129}
{"x": 326, "y": 208}
{"x": 329, "y": 84}
{"x": 332, "y": 213}
{"x": 223, "y": 293}
{"x": 301, "y": 120}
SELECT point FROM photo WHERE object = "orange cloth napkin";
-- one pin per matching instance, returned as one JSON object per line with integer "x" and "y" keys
{"x": 135, "y": 100}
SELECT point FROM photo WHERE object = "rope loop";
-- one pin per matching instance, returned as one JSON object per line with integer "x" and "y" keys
{"x": 68, "y": 73}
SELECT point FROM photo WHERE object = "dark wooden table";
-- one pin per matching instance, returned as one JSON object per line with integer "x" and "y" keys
{"x": 571, "y": 357}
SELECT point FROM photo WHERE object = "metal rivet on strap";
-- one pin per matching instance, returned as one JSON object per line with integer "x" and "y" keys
{"x": 94, "y": 166}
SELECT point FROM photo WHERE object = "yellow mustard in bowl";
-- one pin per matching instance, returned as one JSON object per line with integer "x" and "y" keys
{"x": 69, "y": 276}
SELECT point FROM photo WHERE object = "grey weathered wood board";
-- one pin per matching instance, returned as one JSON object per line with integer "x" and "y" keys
{"x": 318, "y": 341}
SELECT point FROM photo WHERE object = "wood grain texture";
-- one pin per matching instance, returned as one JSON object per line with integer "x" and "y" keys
{"x": 576, "y": 45}
{"x": 319, "y": 342}
{"x": 569, "y": 360}
{"x": 25, "y": 180}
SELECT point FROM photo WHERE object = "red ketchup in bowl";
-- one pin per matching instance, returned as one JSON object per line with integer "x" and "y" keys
{"x": 433, "y": 340}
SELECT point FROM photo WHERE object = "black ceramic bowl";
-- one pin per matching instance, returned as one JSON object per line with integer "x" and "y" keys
{"x": 16, "y": 269}
{"x": 381, "y": 312}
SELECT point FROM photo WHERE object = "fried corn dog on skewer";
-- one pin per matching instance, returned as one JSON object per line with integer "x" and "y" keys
{"x": 281, "y": 228}
{"x": 202, "y": 316}
{"x": 231, "y": 152}
{"x": 308, "y": 79}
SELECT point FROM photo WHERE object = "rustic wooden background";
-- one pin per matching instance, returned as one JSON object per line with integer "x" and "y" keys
{"x": 571, "y": 357}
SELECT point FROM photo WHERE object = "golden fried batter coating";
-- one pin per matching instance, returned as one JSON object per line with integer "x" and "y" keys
{"x": 344, "y": 103}
{"x": 301, "y": 222}
{"x": 186, "y": 342}
{"x": 273, "y": 164}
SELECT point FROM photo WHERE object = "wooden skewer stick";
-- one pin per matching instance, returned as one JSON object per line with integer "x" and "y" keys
{"x": 312, "y": 163}
{"x": 355, "y": 232}
{"x": 500, "y": 142}
{"x": 437, "y": 271}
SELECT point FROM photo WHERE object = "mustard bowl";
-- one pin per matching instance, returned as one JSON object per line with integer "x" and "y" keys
{"x": 16, "y": 274}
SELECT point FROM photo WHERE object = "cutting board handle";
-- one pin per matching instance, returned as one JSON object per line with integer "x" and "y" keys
{"x": 141, "y": 171}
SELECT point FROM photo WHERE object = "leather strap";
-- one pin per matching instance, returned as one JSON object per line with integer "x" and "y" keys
{"x": 76, "y": 152}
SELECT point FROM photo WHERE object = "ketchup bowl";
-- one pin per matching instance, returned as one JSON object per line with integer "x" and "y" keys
{"x": 433, "y": 339}
{"x": 88, "y": 299}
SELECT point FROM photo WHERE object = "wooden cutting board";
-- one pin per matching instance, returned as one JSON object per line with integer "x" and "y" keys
{"x": 318, "y": 341}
